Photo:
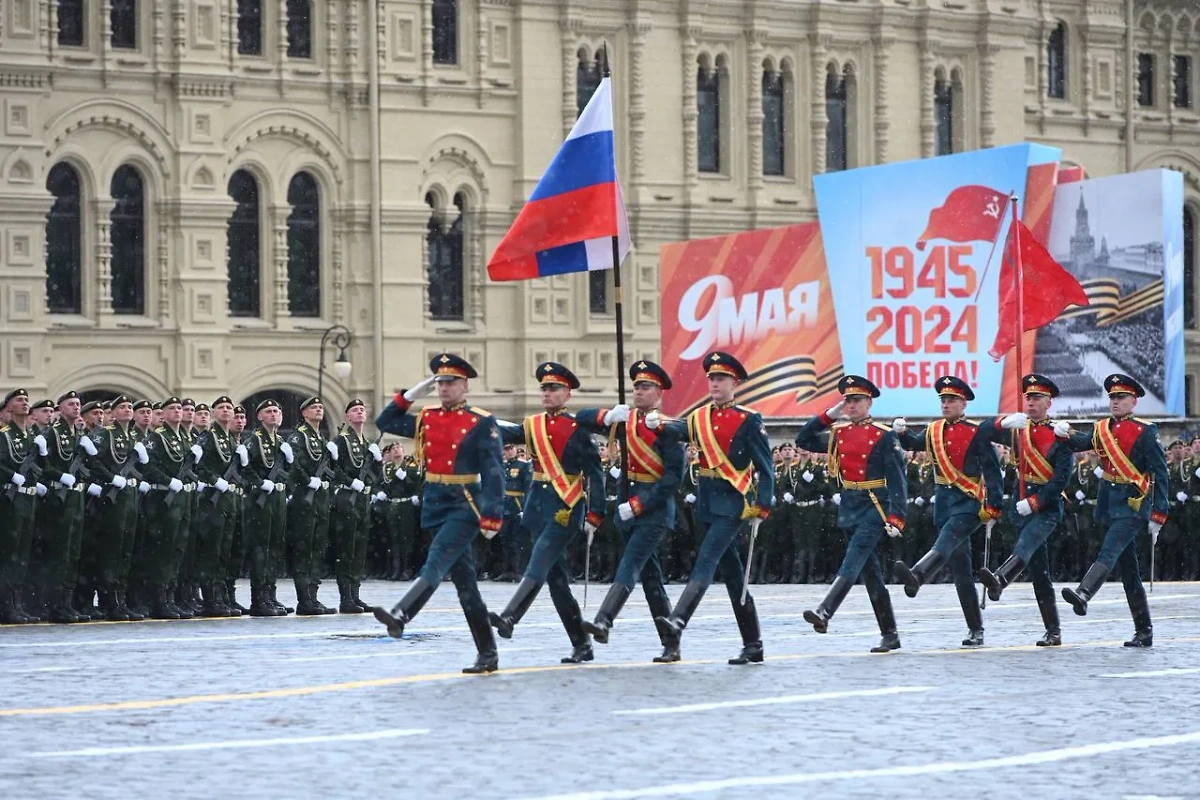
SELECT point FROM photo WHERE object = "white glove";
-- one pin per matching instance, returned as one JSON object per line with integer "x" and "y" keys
{"x": 1181, "y": 497}
{"x": 589, "y": 529}
{"x": 899, "y": 425}
{"x": 40, "y": 441}
{"x": 375, "y": 452}
{"x": 119, "y": 482}
{"x": 221, "y": 485}
{"x": 357, "y": 485}
{"x": 421, "y": 389}
{"x": 143, "y": 487}
{"x": 625, "y": 511}
{"x": 380, "y": 497}
{"x": 175, "y": 485}
{"x": 691, "y": 498}
{"x": 201, "y": 486}
{"x": 933, "y": 499}
{"x": 788, "y": 497}
{"x": 1197, "y": 472}
{"x": 920, "y": 501}
{"x": 1155, "y": 528}
{"x": 987, "y": 530}
{"x": 836, "y": 411}
{"x": 808, "y": 476}
{"x": 1099, "y": 473}
{"x": 18, "y": 479}
{"x": 892, "y": 531}
{"x": 837, "y": 499}
{"x": 1014, "y": 421}
{"x": 142, "y": 456}
{"x": 401, "y": 474}
{"x": 416, "y": 501}
{"x": 243, "y": 454}
{"x": 488, "y": 533}
{"x": 617, "y": 414}
{"x": 653, "y": 420}
{"x": 197, "y": 452}
{"x": 268, "y": 486}
{"x": 94, "y": 489}
{"x": 1024, "y": 508}
{"x": 1079, "y": 495}
{"x": 332, "y": 448}
{"x": 41, "y": 489}
{"x": 286, "y": 449}
{"x": 615, "y": 472}
{"x": 67, "y": 479}
{"x": 1062, "y": 430}
{"x": 88, "y": 445}
{"x": 314, "y": 483}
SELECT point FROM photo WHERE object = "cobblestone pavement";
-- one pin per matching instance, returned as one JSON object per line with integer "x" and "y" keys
{"x": 327, "y": 707}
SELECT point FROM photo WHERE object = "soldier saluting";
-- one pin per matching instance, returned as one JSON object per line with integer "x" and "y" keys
{"x": 866, "y": 459}
{"x": 459, "y": 446}
{"x": 1132, "y": 497}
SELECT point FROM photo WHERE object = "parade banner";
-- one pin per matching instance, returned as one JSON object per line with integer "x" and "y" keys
{"x": 899, "y": 281}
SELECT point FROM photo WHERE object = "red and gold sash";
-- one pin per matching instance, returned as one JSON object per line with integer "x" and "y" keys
{"x": 936, "y": 444}
{"x": 1105, "y": 443}
{"x": 569, "y": 487}
{"x": 1035, "y": 468}
{"x": 704, "y": 435}
{"x": 643, "y": 457}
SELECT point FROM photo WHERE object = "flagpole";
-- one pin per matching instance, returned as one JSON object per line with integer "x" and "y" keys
{"x": 1016, "y": 240}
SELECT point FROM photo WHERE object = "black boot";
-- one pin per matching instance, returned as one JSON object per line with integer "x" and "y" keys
{"x": 614, "y": 601}
{"x": 1045, "y": 600}
{"x": 213, "y": 607}
{"x": 111, "y": 607}
{"x": 1002, "y": 577}
{"x": 226, "y": 599}
{"x": 259, "y": 607}
{"x": 922, "y": 571}
{"x": 160, "y": 607}
{"x": 522, "y": 599}
{"x": 355, "y": 587}
{"x": 413, "y": 601}
{"x": 1091, "y": 583}
{"x": 320, "y": 607}
{"x": 8, "y": 611}
{"x": 486, "y": 658}
{"x": 747, "y": 621}
{"x": 61, "y": 611}
{"x": 579, "y": 653}
{"x": 972, "y": 614}
{"x": 881, "y": 602}
{"x": 1139, "y": 607}
{"x": 231, "y": 599}
{"x": 838, "y": 590}
{"x": 670, "y": 629}
{"x": 347, "y": 604}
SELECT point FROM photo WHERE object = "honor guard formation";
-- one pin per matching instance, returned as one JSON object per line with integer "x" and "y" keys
{"x": 126, "y": 509}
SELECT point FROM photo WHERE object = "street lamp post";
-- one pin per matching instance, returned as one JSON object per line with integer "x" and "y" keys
{"x": 341, "y": 337}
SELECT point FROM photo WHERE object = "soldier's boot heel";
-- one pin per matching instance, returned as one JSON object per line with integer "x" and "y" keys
{"x": 484, "y": 663}
{"x": 613, "y": 602}
{"x": 1139, "y": 607}
{"x": 347, "y": 604}
{"x": 824, "y": 612}
{"x": 522, "y": 599}
{"x": 579, "y": 653}
{"x": 670, "y": 629}
{"x": 413, "y": 601}
{"x": 997, "y": 581}
{"x": 355, "y": 588}
{"x": 1091, "y": 583}
{"x": 746, "y": 615}
{"x": 922, "y": 571}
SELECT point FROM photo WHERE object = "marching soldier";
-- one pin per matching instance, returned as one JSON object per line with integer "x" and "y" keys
{"x": 266, "y": 474}
{"x": 518, "y": 479}
{"x": 356, "y": 471}
{"x": 218, "y": 458}
{"x": 970, "y": 492}
{"x": 60, "y": 513}
{"x": 567, "y": 496}
{"x": 308, "y": 509}
{"x": 866, "y": 459}
{"x": 19, "y": 472}
{"x": 655, "y": 453}
{"x": 41, "y": 414}
{"x": 201, "y": 420}
{"x": 459, "y": 446}
{"x": 170, "y": 473}
{"x": 1044, "y": 465}
{"x": 1134, "y": 472}
{"x": 732, "y": 443}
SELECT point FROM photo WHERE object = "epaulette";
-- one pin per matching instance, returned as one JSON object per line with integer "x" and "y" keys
{"x": 882, "y": 427}
{"x": 109, "y": 427}
{"x": 479, "y": 411}
{"x": 744, "y": 409}
{"x": 4, "y": 429}
{"x": 160, "y": 429}
{"x": 1140, "y": 420}
{"x": 840, "y": 423}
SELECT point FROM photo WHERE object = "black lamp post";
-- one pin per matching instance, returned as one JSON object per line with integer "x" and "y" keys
{"x": 341, "y": 337}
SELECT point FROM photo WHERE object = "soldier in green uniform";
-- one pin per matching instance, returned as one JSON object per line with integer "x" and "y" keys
{"x": 411, "y": 543}
{"x": 266, "y": 507}
{"x": 308, "y": 510}
{"x": 217, "y": 466}
{"x": 170, "y": 474}
{"x": 187, "y": 593}
{"x": 37, "y": 602}
{"x": 1171, "y": 538}
{"x": 514, "y": 538}
{"x": 809, "y": 483}
{"x": 19, "y": 474}
{"x": 356, "y": 471}
{"x": 233, "y": 564}
{"x": 91, "y": 415}
{"x": 1191, "y": 552}
{"x": 139, "y": 599}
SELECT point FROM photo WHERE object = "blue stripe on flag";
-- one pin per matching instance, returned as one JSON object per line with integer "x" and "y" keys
{"x": 581, "y": 162}
{"x": 561, "y": 260}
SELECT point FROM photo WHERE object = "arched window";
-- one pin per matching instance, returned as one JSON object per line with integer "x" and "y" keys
{"x": 445, "y": 32}
{"x": 71, "y": 23}
{"x": 774, "y": 142}
{"x": 299, "y": 29}
{"x": 1056, "y": 62}
{"x": 64, "y": 246}
{"x": 444, "y": 260}
{"x": 244, "y": 249}
{"x": 1189, "y": 267}
{"x": 708, "y": 119}
{"x": 249, "y": 27}
{"x": 587, "y": 79}
{"x": 304, "y": 246}
{"x": 128, "y": 237}
{"x": 837, "y": 129}
{"x": 943, "y": 115}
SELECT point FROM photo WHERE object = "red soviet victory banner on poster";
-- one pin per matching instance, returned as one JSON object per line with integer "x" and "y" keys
{"x": 763, "y": 296}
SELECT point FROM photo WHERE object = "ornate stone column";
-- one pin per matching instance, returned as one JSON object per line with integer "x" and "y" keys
{"x": 754, "y": 107}
{"x": 102, "y": 212}
{"x": 987, "y": 101}
{"x": 819, "y": 118}
{"x": 637, "y": 99}
{"x": 690, "y": 144}
{"x": 279, "y": 216}
{"x": 570, "y": 40}
{"x": 426, "y": 49}
{"x": 882, "y": 123}
{"x": 928, "y": 127}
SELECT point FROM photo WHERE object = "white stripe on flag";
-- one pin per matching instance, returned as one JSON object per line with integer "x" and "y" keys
{"x": 599, "y": 251}
{"x": 597, "y": 116}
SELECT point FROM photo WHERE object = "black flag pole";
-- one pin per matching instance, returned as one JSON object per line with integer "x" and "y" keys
{"x": 618, "y": 310}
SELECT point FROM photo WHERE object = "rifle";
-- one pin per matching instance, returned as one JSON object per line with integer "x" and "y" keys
{"x": 230, "y": 475}
{"x": 188, "y": 473}
{"x": 75, "y": 468}
{"x": 128, "y": 470}
{"x": 278, "y": 470}
{"x": 29, "y": 468}
{"x": 323, "y": 473}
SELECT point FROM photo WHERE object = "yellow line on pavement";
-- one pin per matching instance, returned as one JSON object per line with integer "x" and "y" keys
{"x": 300, "y": 691}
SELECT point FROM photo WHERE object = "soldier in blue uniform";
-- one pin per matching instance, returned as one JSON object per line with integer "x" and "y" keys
{"x": 1044, "y": 465}
{"x": 866, "y": 459}
{"x": 1132, "y": 497}
{"x": 567, "y": 495}
{"x": 970, "y": 492}
{"x": 463, "y": 495}
{"x": 514, "y": 536}
{"x": 655, "y": 451}
{"x": 733, "y": 447}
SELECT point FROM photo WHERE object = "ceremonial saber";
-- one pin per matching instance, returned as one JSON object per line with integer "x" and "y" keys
{"x": 587, "y": 567}
{"x": 987, "y": 561}
{"x": 1152, "y": 549}
{"x": 754, "y": 523}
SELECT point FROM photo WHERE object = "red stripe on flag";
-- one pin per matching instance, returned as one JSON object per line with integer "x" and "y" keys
{"x": 520, "y": 269}
{"x": 587, "y": 213}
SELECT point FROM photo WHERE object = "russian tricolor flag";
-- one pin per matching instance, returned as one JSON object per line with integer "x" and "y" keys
{"x": 577, "y": 208}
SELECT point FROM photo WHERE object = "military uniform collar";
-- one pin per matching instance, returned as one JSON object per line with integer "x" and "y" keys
{"x": 955, "y": 420}
{"x": 455, "y": 407}
{"x": 558, "y": 412}
{"x": 864, "y": 421}
{"x": 1046, "y": 421}
{"x": 723, "y": 406}
{"x": 1123, "y": 417}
